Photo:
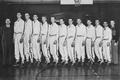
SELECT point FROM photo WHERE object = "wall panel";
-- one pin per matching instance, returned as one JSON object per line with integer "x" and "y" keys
{"x": 55, "y": 1}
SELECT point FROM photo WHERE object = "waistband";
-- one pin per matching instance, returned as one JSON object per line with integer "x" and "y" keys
{"x": 98, "y": 37}
{"x": 43, "y": 34}
{"x": 35, "y": 34}
{"x": 105, "y": 39}
{"x": 88, "y": 38}
{"x": 80, "y": 36}
{"x": 62, "y": 36}
{"x": 53, "y": 35}
{"x": 70, "y": 37}
{"x": 17, "y": 32}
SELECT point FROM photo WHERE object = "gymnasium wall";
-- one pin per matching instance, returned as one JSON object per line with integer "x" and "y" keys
{"x": 103, "y": 11}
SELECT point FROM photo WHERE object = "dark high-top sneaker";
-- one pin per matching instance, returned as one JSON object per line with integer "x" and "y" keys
{"x": 82, "y": 63}
{"x": 22, "y": 65}
{"x": 56, "y": 64}
{"x": 27, "y": 64}
{"x": 16, "y": 64}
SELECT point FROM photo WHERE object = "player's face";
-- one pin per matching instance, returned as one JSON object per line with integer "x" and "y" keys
{"x": 35, "y": 17}
{"x": 27, "y": 16}
{"x": 97, "y": 22}
{"x": 52, "y": 19}
{"x": 105, "y": 24}
{"x": 70, "y": 21}
{"x": 43, "y": 19}
{"x": 61, "y": 21}
{"x": 19, "y": 15}
{"x": 88, "y": 22}
{"x": 112, "y": 23}
{"x": 78, "y": 21}
{"x": 7, "y": 21}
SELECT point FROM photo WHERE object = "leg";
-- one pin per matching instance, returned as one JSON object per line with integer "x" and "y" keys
{"x": 38, "y": 49}
{"x": 55, "y": 53}
{"x": 101, "y": 54}
{"x": 78, "y": 49}
{"x": 21, "y": 49}
{"x": 44, "y": 50}
{"x": 4, "y": 49}
{"x": 34, "y": 44}
{"x": 10, "y": 54}
{"x": 72, "y": 51}
{"x": 17, "y": 48}
{"x": 104, "y": 50}
{"x": 93, "y": 53}
{"x": 53, "y": 49}
{"x": 97, "y": 49}
{"x": 26, "y": 48}
{"x": 100, "y": 51}
{"x": 115, "y": 56}
{"x": 108, "y": 54}
{"x": 68, "y": 49}
{"x": 61, "y": 49}
{"x": 72, "y": 55}
{"x": 65, "y": 54}
{"x": 83, "y": 53}
{"x": 82, "y": 50}
{"x": 88, "y": 48}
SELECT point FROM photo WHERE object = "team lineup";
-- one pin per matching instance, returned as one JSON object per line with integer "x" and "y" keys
{"x": 60, "y": 43}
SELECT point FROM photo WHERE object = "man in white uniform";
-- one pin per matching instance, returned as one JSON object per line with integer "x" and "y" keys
{"x": 27, "y": 37}
{"x": 35, "y": 37}
{"x": 18, "y": 36}
{"x": 90, "y": 38}
{"x": 44, "y": 37}
{"x": 62, "y": 41}
{"x": 98, "y": 40}
{"x": 53, "y": 39}
{"x": 71, "y": 41}
{"x": 107, "y": 37}
{"x": 80, "y": 40}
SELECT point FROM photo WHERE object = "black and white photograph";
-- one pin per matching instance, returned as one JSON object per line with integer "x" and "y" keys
{"x": 59, "y": 39}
